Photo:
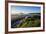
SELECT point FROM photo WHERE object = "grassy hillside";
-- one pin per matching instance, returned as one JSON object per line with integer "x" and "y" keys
{"x": 33, "y": 21}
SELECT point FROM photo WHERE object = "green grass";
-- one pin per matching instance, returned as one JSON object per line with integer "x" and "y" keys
{"x": 29, "y": 22}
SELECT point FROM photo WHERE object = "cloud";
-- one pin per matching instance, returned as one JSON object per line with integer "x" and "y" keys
{"x": 20, "y": 11}
{"x": 25, "y": 12}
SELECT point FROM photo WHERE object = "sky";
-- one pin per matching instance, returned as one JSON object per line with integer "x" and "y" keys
{"x": 25, "y": 9}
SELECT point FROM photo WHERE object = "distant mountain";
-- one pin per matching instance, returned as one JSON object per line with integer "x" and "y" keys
{"x": 22, "y": 15}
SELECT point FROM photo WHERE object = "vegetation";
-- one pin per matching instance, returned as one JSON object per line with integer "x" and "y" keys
{"x": 29, "y": 22}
